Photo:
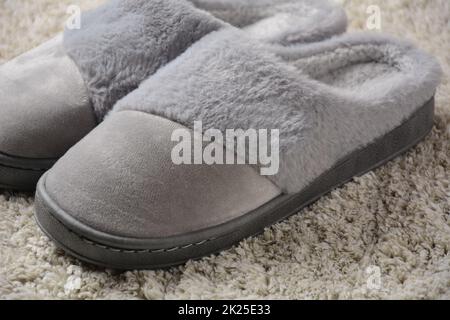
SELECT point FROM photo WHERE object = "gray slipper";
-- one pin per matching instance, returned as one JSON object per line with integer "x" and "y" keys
{"x": 55, "y": 94}
{"x": 342, "y": 107}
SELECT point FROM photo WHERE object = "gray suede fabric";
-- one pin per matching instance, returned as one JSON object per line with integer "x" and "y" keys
{"x": 44, "y": 107}
{"x": 327, "y": 98}
{"x": 121, "y": 180}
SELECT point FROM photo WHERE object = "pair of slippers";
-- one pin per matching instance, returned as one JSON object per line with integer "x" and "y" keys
{"x": 91, "y": 114}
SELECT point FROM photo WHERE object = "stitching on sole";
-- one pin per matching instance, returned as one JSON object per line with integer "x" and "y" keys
{"x": 137, "y": 251}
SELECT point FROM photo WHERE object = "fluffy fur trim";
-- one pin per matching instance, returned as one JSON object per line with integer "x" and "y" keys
{"x": 125, "y": 41}
{"x": 327, "y": 99}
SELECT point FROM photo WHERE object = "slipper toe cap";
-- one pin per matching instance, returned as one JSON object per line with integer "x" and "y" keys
{"x": 120, "y": 180}
{"x": 44, "y": 108}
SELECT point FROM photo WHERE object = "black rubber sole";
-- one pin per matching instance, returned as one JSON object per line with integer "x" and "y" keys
{"x": 125, "y": 253}
{"x": 22, "y": 174}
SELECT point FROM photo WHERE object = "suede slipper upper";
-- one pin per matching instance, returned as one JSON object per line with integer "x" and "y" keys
{"x": 342, "y": 107}
{"x": 55, "y": 94}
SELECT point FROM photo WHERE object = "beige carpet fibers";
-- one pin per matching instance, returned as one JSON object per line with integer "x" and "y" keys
{"x": 385, "y": 235}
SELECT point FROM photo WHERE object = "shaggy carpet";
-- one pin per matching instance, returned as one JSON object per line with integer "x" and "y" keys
{"x": 384, "y": 235}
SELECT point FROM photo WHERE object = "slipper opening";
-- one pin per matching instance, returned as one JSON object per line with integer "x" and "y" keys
{"x": 372, "y": 69}
{"x": 280, "y": 21}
